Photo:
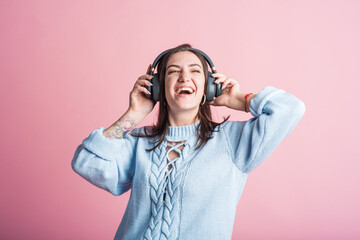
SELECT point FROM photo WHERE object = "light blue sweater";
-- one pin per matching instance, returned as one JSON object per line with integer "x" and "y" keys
{"x": 196, "y": 198}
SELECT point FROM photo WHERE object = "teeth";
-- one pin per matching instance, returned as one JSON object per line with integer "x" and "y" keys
{"x": 184, "y": 89}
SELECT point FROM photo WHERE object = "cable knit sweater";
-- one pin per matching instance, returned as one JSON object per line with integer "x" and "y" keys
{"x": 193, "y": 196}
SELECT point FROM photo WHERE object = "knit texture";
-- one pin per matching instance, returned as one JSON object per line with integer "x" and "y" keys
{"x": 194, "y": 195}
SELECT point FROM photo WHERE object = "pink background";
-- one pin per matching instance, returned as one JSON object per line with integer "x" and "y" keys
{"x": 67, "y": 67}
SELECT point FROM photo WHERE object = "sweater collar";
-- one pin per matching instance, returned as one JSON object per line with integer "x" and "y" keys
{"x": 180, "y": 133}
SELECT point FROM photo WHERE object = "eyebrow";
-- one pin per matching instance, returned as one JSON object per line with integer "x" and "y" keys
{"x": 177, "y": 66}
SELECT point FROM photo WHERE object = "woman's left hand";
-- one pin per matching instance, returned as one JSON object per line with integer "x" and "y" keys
{"x": 231, "y": 96}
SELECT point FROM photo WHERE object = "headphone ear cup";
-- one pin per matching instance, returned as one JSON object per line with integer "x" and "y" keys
{"x": 213, "y": 90}
{"x": 155, "y": 93}
{"x": 218, "y": 89}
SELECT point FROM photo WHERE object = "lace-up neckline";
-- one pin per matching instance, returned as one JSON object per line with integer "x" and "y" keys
{"x": 167, "y": 178}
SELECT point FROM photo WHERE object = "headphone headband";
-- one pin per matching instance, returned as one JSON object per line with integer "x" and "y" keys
{"x": 157, "y": 59}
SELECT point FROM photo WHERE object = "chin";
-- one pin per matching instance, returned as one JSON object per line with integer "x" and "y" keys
{"x": 184, "y": 107}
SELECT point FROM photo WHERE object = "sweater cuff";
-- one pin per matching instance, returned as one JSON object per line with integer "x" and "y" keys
{"x": 102, "y": 146}
{"x": 259, "y": 101}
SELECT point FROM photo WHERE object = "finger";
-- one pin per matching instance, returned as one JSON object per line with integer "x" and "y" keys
{"x": 220, "y": 80}
{"x": 148, "y": 69}
{"x": 227, "y": 82}
{"x": 147, "y": 76}
{"x": 142, "y": 89}
{"x": 218, "y": 75}
{"x": 143, "y": 82}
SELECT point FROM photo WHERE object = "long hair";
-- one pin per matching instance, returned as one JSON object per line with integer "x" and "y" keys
{"x": 159, "y": 130}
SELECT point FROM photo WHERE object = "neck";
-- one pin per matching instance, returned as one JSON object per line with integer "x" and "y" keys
{"x": 183, "y": 118}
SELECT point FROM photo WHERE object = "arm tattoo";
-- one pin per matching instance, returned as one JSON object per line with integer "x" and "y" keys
{"x": 120, "y": 128}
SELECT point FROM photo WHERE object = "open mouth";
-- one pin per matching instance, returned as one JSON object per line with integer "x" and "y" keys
{"x": 185, "y": 91}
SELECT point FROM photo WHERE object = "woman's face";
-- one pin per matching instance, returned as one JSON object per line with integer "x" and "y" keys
{"x": 184, "y": 82}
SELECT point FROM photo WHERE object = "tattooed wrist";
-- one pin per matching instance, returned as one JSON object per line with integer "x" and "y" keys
{"x": 120, "y": 128}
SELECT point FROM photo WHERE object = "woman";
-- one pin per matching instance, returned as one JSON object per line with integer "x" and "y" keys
{"x": 186, "y": 173}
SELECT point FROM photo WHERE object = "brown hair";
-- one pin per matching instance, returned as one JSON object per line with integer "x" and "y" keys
{"x": 206, "y": 126}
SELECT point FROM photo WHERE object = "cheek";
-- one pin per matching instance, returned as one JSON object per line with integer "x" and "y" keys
{"x": 168, "y": 87}
{"x": 167, "y": 92}
{"x": 201, "y": 87}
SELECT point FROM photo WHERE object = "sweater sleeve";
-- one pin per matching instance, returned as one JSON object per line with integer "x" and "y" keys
{"x": 106, "y": 163}
{"x": 276, "y": 113}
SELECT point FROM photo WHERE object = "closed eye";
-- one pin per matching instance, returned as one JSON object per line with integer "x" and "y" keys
{"x": 177, "y": 71}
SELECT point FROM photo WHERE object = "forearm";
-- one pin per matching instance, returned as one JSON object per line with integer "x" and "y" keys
{"x": 125, "y": 124}
{"x": 239, "y": 102}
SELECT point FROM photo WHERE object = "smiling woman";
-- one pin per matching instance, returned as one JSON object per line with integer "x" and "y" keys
{"x": 186, "y": 173}
{"x": 185, "y": 67}
{"x": 184, "y": 88}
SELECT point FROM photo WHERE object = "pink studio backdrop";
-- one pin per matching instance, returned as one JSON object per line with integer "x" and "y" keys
{"x": 67, "y": 67}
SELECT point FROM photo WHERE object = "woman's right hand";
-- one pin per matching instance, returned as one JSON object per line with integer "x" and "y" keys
{"x": 139, "y": 103}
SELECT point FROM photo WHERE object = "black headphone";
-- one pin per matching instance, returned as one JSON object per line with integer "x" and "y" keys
{"x": 213, "y": 90}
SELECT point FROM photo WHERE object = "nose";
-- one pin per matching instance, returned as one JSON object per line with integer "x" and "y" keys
{"x": 185, "y": 76}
